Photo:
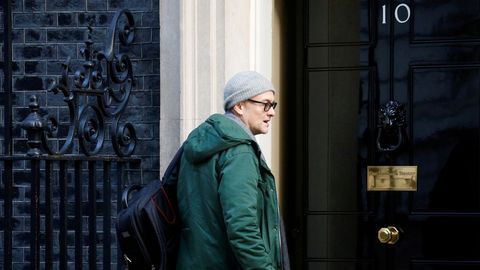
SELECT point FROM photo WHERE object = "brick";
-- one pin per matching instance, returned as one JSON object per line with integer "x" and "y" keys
{"x": 156, "y": 99}
{"x": 33, "y": 20}
{"x": 17, "y": 6}
{"x": 21, "y": 239}
{"x": 150, "y": 19}
{"x": 141, "y": 114}
{"x": 35, "y": 67}
{"x": 134, "y": 51}
{"x": 17, "y": 131}
{"x": 20, "y": 146}
{"x": 35, "y": 35}
{"x": 141, "y": 98}
{"x": 57, "y": 102}
{"x": 17, "y": 36}
{"x": 138, "y": 83}
{"x": 67, "y": 19}
{"x": 33, "y": 52}
{"x": 151, "y": 161}
{"x": 2, "y": 103}
{"x": 98, "y": 36}
{"x": 144, "y": 131}
{"x": 34, "y": 5}
{"x": 142, "y": 5}
{"x": 147, "y": 144}
{"x": 143, "y": 67}
{"x": 156, "y": 66}
{"x": 65, "y": 5}
{"x": 66, "y": 35}
{"x": 18, "y": 253}
{"x": 21, "y": 208}
{"x": 156, "y": 35}
{"x": 152, "y": 82}
{"x": 151, "y": 51}
{"x": 55, "y": 67}
{"x": 97, "y": 19}
{"x": 28, "y": 83}
{"x": 150, "y": 176}
{"x": 103, "y": 19}
{"x": 143, "y": 35}
{"x": 95, "y": 5}
{"x": 14, "y": 193}
{"x": 17, "y": 69}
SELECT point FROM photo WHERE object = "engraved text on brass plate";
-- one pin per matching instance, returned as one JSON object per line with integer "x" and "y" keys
{"x": 391, "y": 178}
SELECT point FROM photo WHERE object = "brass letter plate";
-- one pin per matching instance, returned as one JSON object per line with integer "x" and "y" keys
{"x": 392, "y": 178}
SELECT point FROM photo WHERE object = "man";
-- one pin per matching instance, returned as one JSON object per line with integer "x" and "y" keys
{"x": 226, "y": 193}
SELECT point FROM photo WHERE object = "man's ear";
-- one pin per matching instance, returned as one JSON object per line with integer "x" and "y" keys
{"x": 238, "y": 109}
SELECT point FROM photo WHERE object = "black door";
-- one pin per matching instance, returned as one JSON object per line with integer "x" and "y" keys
{"x": 424, "y": 55}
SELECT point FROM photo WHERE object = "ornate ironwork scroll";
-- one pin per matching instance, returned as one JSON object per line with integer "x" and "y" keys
{"x": 99, "y": 91}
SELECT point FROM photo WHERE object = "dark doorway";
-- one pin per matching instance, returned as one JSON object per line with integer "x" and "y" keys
{"x": 425, "y": 55}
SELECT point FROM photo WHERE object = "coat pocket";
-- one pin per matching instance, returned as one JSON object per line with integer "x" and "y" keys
{"x": 262, "y": 204}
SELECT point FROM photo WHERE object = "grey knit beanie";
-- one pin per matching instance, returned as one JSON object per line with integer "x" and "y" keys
{"x": 244, "y": 85}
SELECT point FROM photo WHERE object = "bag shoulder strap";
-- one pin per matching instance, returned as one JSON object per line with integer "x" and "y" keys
{"x": 173, "y": 168}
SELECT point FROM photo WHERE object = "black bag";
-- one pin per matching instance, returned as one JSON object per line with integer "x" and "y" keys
{"x": 147, "y": 225}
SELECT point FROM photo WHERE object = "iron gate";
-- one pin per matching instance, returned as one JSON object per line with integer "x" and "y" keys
{"x": 73, "y": 188}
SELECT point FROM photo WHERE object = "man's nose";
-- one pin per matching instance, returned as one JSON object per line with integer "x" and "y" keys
{"x": 271, "y": 112}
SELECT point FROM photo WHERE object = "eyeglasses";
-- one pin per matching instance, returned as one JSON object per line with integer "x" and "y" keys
{"x": 267, "y": 105}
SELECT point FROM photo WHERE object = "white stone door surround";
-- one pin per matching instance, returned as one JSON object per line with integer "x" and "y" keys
{"x": 202, "y": 44}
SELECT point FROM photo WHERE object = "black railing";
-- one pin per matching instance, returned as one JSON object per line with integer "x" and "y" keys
{"x": 66, "y": 193}
{"x": 72, "y": 189}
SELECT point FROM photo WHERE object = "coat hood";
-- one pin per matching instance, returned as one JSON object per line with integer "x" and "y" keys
{"x": 216, "y": 134}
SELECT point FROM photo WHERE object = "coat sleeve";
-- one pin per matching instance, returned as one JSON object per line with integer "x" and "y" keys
{"x": 238, "y": 198}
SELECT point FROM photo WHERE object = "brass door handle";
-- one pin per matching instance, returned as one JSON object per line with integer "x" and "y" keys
{"x": 388, "y": 235}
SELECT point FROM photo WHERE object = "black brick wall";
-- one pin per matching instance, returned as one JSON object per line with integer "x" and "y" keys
{"x": 45, "y": 33}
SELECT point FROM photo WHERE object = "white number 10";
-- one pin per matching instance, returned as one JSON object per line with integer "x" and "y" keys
{"x": 384, "y": 13}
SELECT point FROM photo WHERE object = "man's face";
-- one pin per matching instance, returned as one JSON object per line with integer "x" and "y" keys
{"x": 253, "y": 112}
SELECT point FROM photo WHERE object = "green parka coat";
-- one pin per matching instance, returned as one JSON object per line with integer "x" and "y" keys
{"x": 227, "y": 201}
